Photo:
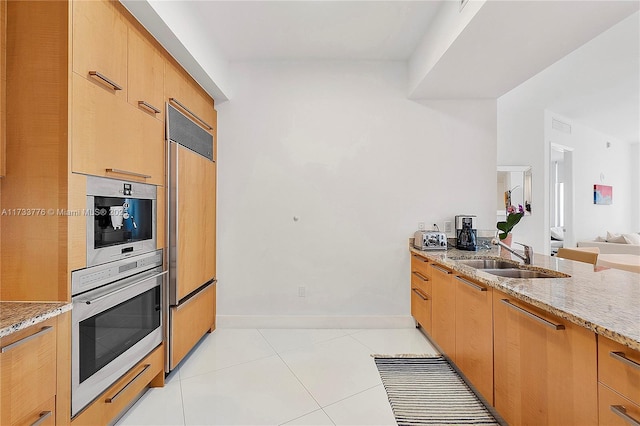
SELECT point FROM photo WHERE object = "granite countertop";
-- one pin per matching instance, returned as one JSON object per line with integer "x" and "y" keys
{"x": 16, "y": 316}
{"x": 606, "y": 301}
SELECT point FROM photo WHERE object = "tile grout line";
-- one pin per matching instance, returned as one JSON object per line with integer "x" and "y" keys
{"x": 299, "y": 381}
{"x": 184, "y": 414}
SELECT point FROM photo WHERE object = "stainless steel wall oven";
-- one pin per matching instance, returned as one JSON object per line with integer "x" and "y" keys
{"x": 116, "y": 322}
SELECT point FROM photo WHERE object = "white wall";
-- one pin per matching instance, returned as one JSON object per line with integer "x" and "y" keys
{"x": 339, "y": 146}
{"x": 591, "y": 159}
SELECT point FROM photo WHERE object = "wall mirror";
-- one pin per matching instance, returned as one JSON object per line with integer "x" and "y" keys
{"x": 513, "y": 188}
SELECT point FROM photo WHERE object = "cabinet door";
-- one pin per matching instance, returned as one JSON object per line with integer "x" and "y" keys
{"x": 545, "y": 367}
{"x": 28, "y": 372}
{"x": 145, "y": 71}
{"x": 443, "y": 317}
{"x": 190, "y": 321}
{"x": 474, "y": 334}
{"x": 196, "y": 183}
{"x": 421, "y": 300}
{"x": 100, "y": 45}
{"x": 192, "y": 99}
{"x": 112, "y": 138}
{"x": 3, "y": 84}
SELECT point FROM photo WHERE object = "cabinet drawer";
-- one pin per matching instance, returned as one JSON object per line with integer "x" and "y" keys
{"x": 421, "y": 265}
{"x": 44, "y": 415}
{"x": 421, "y": 308}
{"x": 28, "y": 371}
{"x": 421, "y": 282}
{"x": 614, "y": 409}
{"x": 190, "y": 321}
{"x": 110, "y": 404}
{"x": 619, "y": 368}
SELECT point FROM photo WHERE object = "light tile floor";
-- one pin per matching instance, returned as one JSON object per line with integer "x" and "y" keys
{"x": 279, "y": 376}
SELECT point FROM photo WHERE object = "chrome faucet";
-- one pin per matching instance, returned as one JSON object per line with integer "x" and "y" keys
{"x": 527, "y": 258}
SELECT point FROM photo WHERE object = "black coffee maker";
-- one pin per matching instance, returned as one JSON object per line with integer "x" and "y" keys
{"x": 466, "y": 233}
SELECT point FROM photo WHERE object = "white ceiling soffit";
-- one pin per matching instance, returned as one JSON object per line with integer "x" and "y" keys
{"x": 321, "y": 30}
{"x": 168, "y": 25}
{"x": 508, "y": 42}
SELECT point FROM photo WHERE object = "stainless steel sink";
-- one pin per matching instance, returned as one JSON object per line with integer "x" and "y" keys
{"x": 523, "y": 273}
{"x": 488, "y": 263}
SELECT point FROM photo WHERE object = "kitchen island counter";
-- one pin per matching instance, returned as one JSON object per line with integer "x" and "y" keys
{"x": 602, "y": 300}
{"x": 16, "y": 316}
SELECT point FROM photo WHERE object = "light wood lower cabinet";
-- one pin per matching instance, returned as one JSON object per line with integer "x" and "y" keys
{"x": 616, "y": 410}
{"x": 190, "y": 321}
{"x": 421, "y": 292}
{"x": 28, "y": 372}
{"x": 105, "y": 409}
{"x": 443, "y": 320}
{"x": 545, "y": 367}
{"x": 619, "y": 368}
{"x": 474, "y": 333}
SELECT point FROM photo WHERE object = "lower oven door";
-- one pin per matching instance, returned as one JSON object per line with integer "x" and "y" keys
{"x": 113, "y": 328}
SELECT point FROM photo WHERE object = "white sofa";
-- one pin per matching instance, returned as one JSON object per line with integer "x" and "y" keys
{"x": 614, "y": 244}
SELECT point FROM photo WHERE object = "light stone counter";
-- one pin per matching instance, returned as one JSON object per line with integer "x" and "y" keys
{"x": 606, "y": 301}
{"x": 16, "y": 316}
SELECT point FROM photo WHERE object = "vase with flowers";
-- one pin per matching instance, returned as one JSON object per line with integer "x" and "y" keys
{"x": 506, "y": 226}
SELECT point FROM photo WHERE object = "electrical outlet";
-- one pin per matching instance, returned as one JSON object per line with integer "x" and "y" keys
{"x": 302, "y": 291}
{"x": 448, "y": 228}
{"x": 421, "y": 226}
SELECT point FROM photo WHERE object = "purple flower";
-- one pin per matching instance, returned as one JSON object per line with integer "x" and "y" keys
{"x": 520, "y": 208}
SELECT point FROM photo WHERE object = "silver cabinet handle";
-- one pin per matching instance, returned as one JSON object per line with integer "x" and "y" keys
{"x": 106, "y": 79}
{"x": 104, "y": 296}
{"x": 420, "y": 276}
{"x": 181, "y": 105}
{"x": 533, "y": 316}
{"x": 43, "y": 330}
{"x": 471, "y": 284}
{"x": 42, "y": 418}
{"x": 114, "y": 397}
{"x": 621, "y": 412}
{"x": 148, "y": 106}
{"x": 126, "y": 172}
{"x": 445, "y": 271}
{"x": 620, "y": 356}
{"x": 192, "y": 298}
{"x": 419, "y": 293}
{"x": 420, "y": 258}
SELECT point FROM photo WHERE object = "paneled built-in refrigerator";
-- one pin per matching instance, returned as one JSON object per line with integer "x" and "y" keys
{"x": 191, "y": 202}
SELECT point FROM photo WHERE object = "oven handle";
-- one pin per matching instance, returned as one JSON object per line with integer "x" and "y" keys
{"x": 104, "y": 296}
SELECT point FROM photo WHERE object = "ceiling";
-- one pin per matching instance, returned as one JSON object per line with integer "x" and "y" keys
{"x": 328, "y": 30}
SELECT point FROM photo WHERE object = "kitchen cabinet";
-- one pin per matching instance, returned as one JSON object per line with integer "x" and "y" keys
{"x": 145, "y": 75}
{"x": 190, "y": 321}
{"x": 421, "y": 292}
{"x": 443, "y": 320}
{"x": 196, "y": 246}
{"x": 112, "y": 138}
{"x": 185, "y": 94}
{"x": 474, "y": 333}
{"x": 545, "y": 367}
{"x": 106, "y": 408}
{"x": 100, "y": 45}
{"x": 34, "y": 386}
{"x": 619, "y": 383}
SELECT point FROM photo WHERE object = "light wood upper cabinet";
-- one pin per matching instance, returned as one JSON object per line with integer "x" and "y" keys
{"x": 28, "y": 374}
{"x": 444, "y": 310}
{"x": 145, "y": 73}
{"x": 100, "y": 45}
{"x": 196, "y": 221}
{"x": 112, "y": 138}
{"x": 192, "y": 99}
{"x": 545, "y": 367}
{"x": 474, "y": 333}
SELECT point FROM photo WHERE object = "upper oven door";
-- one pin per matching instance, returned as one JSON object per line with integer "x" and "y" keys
{"x": 122, "y": 219}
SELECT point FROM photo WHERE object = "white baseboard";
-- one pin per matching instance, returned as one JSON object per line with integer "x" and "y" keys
{"x": 312, "y": 321}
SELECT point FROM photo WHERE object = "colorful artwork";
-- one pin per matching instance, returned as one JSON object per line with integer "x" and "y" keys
{"x": 602, "y": 194}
